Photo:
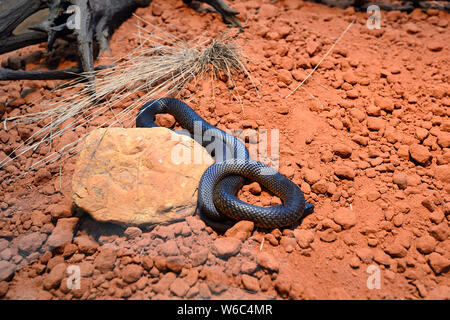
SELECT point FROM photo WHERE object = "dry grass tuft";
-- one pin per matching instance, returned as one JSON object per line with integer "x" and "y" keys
{"x": 160, "y": 66}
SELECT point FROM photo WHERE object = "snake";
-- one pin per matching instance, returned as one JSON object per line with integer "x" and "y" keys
{"x": 220, "y": 183}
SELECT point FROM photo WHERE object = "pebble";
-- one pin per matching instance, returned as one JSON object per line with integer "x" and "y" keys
{"x": 395, "y": 250}
{"x": 344, "y": 172}
{"x": 254, "y": 188}
{"x": 169, "y": 248}
{"x": 311, "y": 176}
{"x": 6, "y": 269}
{"x": 342, "y": 150}
{"x": 226, "y": 247}
{"x": 365, "y": 254}
{"x": 54, "y": 278}
{"x": 198, "y": 258}
{"x": 284, "y": 76}
{"x": 162, "y": 286}
{"x": 438, "y": 263}
{"x": 345, "y": 217}
{"x": 175, "y": 263}
{"x": 179, "y": 287}
{"x": 105, "y": 260}
{"x": 425, "y": 244}
{"x": 320, "y": 187}
{"x": 399, "y": 178}
{"x": 328, "y": 235}
{"x": 132, "y": 232}
{"x": 267, "y": 261}
{"x": 440, "y": 232}
{"x": 250, "y": 283}
{"x": 242, "y": 230}
{"x": 420, "y": 154}
{"x": 380, "y": 257}
{"x": 375, "y": 124}
{"x": 304, "y": 237}
{"x": 249, "y": 267}
{"x": 86, "y": 245}
{"x": 354, "y": 262}
{"x": 283, "y": 286}
{"x": 63, "y": 232}
{"x": 31, "y": 242}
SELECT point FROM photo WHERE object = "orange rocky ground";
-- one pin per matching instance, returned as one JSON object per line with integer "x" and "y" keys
{"x": 367, "y": 139}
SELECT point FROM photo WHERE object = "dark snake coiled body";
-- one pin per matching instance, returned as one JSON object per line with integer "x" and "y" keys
{"x": 221, "y": 181}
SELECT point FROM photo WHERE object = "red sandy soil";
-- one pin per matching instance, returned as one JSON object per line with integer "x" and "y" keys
{"x": 366, "y": 138}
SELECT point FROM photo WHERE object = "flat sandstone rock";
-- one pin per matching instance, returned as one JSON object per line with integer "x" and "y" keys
{"x": 138, "y": 176}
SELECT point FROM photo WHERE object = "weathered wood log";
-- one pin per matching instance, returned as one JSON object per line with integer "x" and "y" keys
{"x": 90, "y": 22}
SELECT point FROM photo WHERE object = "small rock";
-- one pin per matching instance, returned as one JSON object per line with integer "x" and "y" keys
{"x": 440, "y": 232}
{"x": 283, "y": 286}
{"x": 381, "y": 257}
{"x": 354, "y": 262}
{"x": 241, "y": 230}
{"x": 435, "y": 46}
{"x": 169, "y": 248}
{"x": 249, "y": 267}
{"x": 175, "y": 263}
{"x": 254, "y": 188}
{"x": 442, "y": 173}
{"x": 365, "y": 254}
{"x": 384, "y": 104}
{"x": 54, "y": 278}
{"x": 31, "y": 242}
{"x": 425, "y": 244}
{"x": 443, "y": 139}
{"x": 304, "y": 237}
{"x": 421, "y": 133}
{"x": 328, "y": 235}
{"x": 420, "y": 154}
{"x": 216, "y": 279}
{"x": 400, "y": 180}
{"x": 131, "y": 273}
{"x": 395, "y": 250}
{"x": 226, "y": 247}
{"x": 63, "y": 232}
{"x": 311, "y": 176}
{"x": 438, "y": 263}
{"x": 6, "y": 269}
{"x": 284, "y": 76}
{"x": 164, "y": 283}
{"x": 105, "y": 260}
{"x": 342, "y": 150}
{"x": 267, "y": 261}
{"x": 344, "y": 172}
{"x": 132, "y": 232}
{"x": 200, "y": 257}
{"x": 179, "y": 287}
{"x": 320, "y": 187}
{"x": 250, "y": 283}
{"x": 69, "y": 250}
{"x": 288, "y": 243}
{"x": 147, "y": 263}
{"x": 375, "y": 124}
{"x": 411, "y": 28}
{"x": 86, "y": 245}
{"x": 345, "y": 217}
{"x": 58, "y": 211}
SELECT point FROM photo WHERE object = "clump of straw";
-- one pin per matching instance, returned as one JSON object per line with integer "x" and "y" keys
{"x": 161, "y": 65}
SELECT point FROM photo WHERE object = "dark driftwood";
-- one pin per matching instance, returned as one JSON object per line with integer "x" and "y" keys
{"x": 60, "y": 74}
{"x": 98, "y": 20}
